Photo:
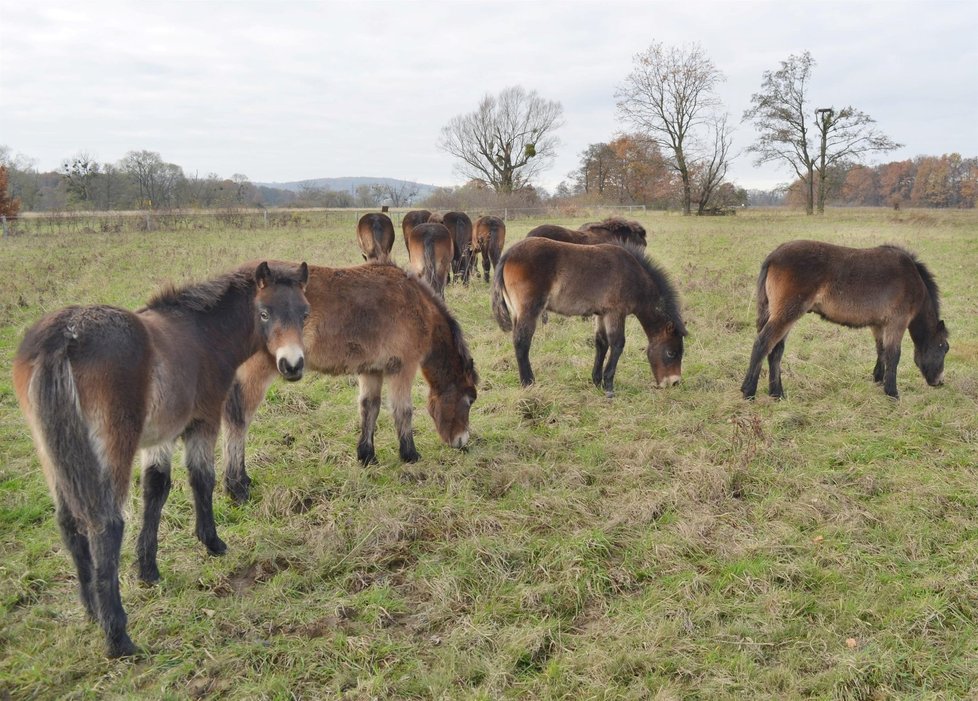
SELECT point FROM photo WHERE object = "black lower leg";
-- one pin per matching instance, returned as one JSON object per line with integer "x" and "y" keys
{"x": 522, "y": 337}
{"x": 105, "y": 551}
{"x": 774, "y": 370}
{"x": 600, "y": 351}
{"x": 202, "y": 482}
{"x": 892, "y": 359}
{"x": 156, "y": 488}
{"x": 369, "y": 409}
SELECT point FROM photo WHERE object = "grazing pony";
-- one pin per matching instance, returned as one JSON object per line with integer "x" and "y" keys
{"x": 590, "y": 237}
{"x": 377, "y": 322}
{"x": 488, "y": 237}
{"x": 430, "y": 253}
{"x": 460, "y": 227}
{"x": 375, "y": 233}
{"x": 412, "y": 219}
{"x": 609, "y": 281}
{"x": 98, "y": 383}
{"x": 885, "y": 288}
{"x": 626, "y": 230}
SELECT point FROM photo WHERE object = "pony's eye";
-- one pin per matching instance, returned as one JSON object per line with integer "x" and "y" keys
{"x": 263, "y": 315}
{"x": 670, "y": 355}
{"x": 305, "y": 315}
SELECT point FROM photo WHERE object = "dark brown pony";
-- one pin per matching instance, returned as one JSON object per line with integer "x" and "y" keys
{"x": 590, "y": 237}
{"x": 885, "y": 288}
{"x": 377, "y": 322}
{"x": 460, "y": 227}
{"x": 411, "y": 220}
{"x": 609, "y": 281}
{"x": 488, "y": 237}
{"x": 97, "y": 383}
{"x": 625, "y": 230}
{"x": 430, "y": 253}
{"x": 375, "y": 233}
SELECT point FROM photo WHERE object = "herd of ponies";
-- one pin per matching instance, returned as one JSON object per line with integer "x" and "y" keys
{"x": 99, "y": 383}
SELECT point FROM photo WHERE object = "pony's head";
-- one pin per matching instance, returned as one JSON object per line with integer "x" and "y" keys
{"x": 929, "y": 355}
{"x": 281, "y": 310}
{"x": 665, "y": 354}
{"x": 452, "y": 396}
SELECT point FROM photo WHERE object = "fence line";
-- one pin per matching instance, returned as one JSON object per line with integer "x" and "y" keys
{"x": 28, "y": 223}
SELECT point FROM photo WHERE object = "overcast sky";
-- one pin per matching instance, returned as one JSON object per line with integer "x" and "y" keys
{"x": 286, "y": 90}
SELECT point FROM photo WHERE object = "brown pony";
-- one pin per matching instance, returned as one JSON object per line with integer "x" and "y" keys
{"x": 590, "y": 237}
{"x": 612, "y": 228}
{"x": 97, "y": 383}
{"x": 609, "y": 281}
{"x": 375, "y": 233}
{"x": 377, "y": 322}
{"x": 488, "y": 237}
{"x": 411, "y": 220}
{"x": 430, "y": 252}
{"x": 885, "y": 288}
{"x": 460, "y": 227}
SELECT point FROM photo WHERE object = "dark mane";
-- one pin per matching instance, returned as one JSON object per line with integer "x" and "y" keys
{"x": 202, "y": 296}
{"x": 932, "y": 290}
{"x": 669, "y": 298}
{"x": 458, "y": 339}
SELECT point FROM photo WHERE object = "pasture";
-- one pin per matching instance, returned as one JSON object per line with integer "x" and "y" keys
{"x": 668, "y": 543}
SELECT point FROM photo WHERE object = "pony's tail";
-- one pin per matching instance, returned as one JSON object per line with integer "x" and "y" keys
{"x": 430, "y": 273}
{"x": 79, "y": 477}
{"x": 499, "y": 308}
{"x": 377, "y": 231}
{"x": 763, "y": 308}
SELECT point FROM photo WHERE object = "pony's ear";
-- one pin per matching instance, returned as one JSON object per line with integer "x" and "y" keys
{"x": 263, "y": 275}
{"x": 303, "y": 275}
{"x": 941, "y": 328}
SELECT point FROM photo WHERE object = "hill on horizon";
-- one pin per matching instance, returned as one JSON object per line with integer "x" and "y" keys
{"x": 349, "y": 184}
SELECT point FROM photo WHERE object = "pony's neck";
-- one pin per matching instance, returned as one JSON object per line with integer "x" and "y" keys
{"x": 652, "y": 319}
{"x": 232, "y": 320}
{"x": 924, "y": 325}
{"x": 442, "y": 359}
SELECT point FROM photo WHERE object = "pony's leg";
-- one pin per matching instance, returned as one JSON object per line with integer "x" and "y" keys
{"x": 600, "y": 350}
{"x": 774, "y": 370}
{"x": 485, "y": 264}
{"x": 892, "y": 339}
{"x": 771, "y": 334}
{"x": 878, "y": 368}
{"x": 370, "y": 385}
{"x": 199, "y": 439}
{"x": 251, "y": 384}
{"x": 523, "y": 330}
{"x": 399, "y": 389}
{"x": 105, "y": 542}
{"x": 614, "y": 327}
{"x": 156, "y": 488}
{"x": 77, "y": 543}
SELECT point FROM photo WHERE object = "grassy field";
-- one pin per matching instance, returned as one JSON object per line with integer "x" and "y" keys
{"x": 668, "y": 544}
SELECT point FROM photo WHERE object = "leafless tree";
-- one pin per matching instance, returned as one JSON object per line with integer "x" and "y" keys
{"x": 397, "y": 194}
{"x": 156, "y": 180}
{"x": 507, "y": 140}
{"x": 711, "y": 168}
{"x": 780, "y": 113}
{"x": 670, "y": 96}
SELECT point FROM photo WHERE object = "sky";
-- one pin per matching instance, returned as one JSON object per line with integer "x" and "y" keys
{"x": 286, "y": 90}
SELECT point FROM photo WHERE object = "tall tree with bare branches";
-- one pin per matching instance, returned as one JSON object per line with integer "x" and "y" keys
{"x": 670, "y": 96}
{"x": 507, "y": 140}
{"x": 780, "y": 113}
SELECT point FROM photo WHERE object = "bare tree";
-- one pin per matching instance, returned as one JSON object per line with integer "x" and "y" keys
{"x": 398, "y": 194}
{"x": 157, "y": 181}
{"x": 507, "y": 140}
{"x": 711, "y": 169}
{"x": 780, "y": 115}
{"x": 670, "y": 96}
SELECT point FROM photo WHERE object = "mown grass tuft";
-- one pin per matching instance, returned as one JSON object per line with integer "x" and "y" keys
{"x": 664, "y": 544}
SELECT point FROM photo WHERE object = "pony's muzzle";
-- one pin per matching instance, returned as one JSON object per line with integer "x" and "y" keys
{"x": 669, "y": 381}
{"x": 938, "y": 381}
{"x": 460, "y": 440}
{"x": 290, "y": 362}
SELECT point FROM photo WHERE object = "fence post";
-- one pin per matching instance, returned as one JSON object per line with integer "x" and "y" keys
{"x": 506, "y": 214}
{"x": 265, "y": 212}
{"x": 3, "y": 221}
{"x": 147, "y": 221}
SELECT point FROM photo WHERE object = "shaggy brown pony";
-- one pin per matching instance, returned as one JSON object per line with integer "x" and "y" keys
{"x": 885, "y": 288}
{"x": 598, "y": 234}
{"x": 98, "y": 383}
{"x": 377, "y": 322}
{"x": 488, "y": 237}
{"x": 411, "y": 220}
{"x": 608, "y": 281}
{"x": 375, "y": 233}
{"x": 459, "y": 226}
{"x": 617, "y": 228}
{"x": 430, "y": 253}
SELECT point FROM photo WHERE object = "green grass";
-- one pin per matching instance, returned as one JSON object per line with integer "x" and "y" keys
{"x": 665, "y": 544}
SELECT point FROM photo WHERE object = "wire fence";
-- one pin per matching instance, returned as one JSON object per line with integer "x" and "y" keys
{"x": 55, "y": 223}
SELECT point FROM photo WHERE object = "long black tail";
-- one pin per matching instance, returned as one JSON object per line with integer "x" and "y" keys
{"x": 499, "y": 308}
{"x": 377, "y": 230}
{"x": 83, "y": 484}
{"x": 763, "y": 307}
{"x": 430, "y": 266}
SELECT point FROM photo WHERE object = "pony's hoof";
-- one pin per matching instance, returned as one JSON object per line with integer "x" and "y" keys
{"x": 122, "y": 646}
{"x": 149, "y": 575}
{"x": 239, "y": 492}
{"x": 366, "y": 457}
{"x": 216, "y": 546}
{"x": 609, "y": 394}
{"x": 411, "y": 457}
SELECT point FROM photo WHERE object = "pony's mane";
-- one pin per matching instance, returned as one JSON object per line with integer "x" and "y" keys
{"x": 668, "y": 297}
{"x": 202, "y": 296}
{"x": 458, "y": 339}
{"x": 929, "y": 282}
